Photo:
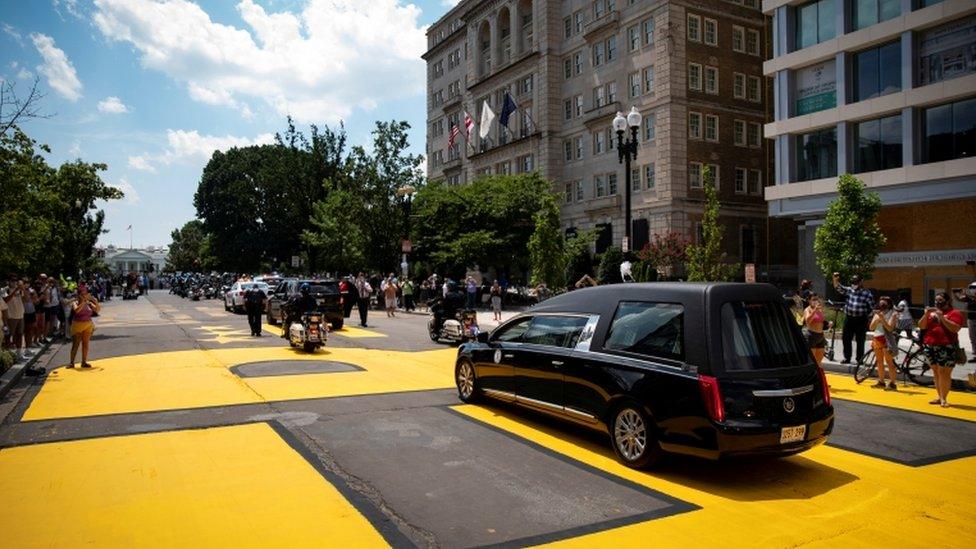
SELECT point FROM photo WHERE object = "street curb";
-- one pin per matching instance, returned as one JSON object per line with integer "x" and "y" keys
{"x": 926, "y": 381}
{"x": 13, "y": 375}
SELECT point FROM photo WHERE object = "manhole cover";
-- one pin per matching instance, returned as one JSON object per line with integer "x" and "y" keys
{"x": 292, "y": 368}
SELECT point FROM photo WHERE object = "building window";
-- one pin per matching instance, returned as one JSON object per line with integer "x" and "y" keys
{"x": 711, "y": 127}
{"x": 568, "y": 68}
{"x": 816, "y": 155}
{"x": 578, "y": 62}
{"x": 947, "y": 51}
{"x": 877, "y": 71}
{"x": 599, "y": 8}
{"x": 753, "y": 134}
{"x": 611, "y": 184}
{"x": 568, "y": 149}
{"x": 634, "y": 79}
{"x": 738, "y": 85}
{"x": 752, "y": 42}
{"x": 649, "y": 180}
{"x": 612, "y": 47}
{"x": 578, "y": 21}
{"x": 753, "y": 90}
{"x": 865, "y": 13}
{"x": 578, "y": 146}
{"x": 755, "y": 181}
{"x": 599, "y": 142}
{"x": 568, "y": 109}
{"x": 568, "y": 27}
{"x": 711, "y": 32}
{"x": 648, "y": 26}
{"x": 748, "y": 240}
{"x": 568, "y": 194}
{"x": 878, "y": 144}
{"x": 739, "y": 133}
{"x": 694, "y": 175}
{"x": 579, "y": 190}
{"x": 949, "y": 131}
{"x": 610, "y": 140}
{"x": 611, "y": 91}
{"x": 738, "y": 39}
{"x": 694, "y": 28}
{"x": 712, "y": 176}
{"x": 815, "y": 22}
{"x": 740, "y": 180}
{"x": 816, "y": 88}
{"x": 579, "y": 105}
{"x": 526, "y": 84}
{"x": 694, "y": 76}
{"x": 526, "y": 163}
{"x": 599, "y": 53}
{"x": 599, "y": 96}
{"x": 633, "y": 38}
{"x": 694, "y": 125}
{"x": 649, "y": 126}
{"x": 711, "y": 80}
{"x": 649, "y": 80}
{"x": 635, "y": 179}
{"x": 599, "y": 186}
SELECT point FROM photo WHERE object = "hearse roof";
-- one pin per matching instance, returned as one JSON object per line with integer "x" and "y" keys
{"x": 596, "y": 299}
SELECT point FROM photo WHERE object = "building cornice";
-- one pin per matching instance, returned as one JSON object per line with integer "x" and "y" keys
{"x": 443, "y": 44}
{"x": 499, "y": 148}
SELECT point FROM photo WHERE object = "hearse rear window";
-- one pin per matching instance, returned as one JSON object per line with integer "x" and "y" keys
{"x": 759, "y": 335}
{"x": 646, "y": 328}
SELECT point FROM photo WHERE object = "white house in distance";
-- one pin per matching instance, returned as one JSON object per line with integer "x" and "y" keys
{"x": 143, "y": 260}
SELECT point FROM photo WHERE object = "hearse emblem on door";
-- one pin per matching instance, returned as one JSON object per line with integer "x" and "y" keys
{"x": 498, "y": 356}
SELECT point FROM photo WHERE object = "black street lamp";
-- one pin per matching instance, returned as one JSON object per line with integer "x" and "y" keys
{"x": 407, "y": 192}
{"x": 627, "y": 151}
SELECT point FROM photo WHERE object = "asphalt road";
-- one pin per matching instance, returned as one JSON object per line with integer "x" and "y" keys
{"x": 201, "y": 434}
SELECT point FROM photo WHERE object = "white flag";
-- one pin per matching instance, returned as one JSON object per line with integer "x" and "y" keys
{"x": 487, "y": 117}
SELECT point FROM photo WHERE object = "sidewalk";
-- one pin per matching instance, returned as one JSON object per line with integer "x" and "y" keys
{"x": 11, "y": 376}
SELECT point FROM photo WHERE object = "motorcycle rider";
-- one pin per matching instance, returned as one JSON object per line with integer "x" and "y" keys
{"x": 448, "y": 306}
{"x": 298, "y": 305}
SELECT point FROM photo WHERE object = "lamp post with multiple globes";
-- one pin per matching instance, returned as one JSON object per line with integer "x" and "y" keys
{"x": 627, "y": 151}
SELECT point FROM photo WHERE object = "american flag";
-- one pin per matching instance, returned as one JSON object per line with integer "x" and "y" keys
{"x": 468, "y": 125}
{"x": 454, "y": 133}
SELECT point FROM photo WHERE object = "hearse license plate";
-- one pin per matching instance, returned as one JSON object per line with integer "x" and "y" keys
{"x": 793, "y": 434}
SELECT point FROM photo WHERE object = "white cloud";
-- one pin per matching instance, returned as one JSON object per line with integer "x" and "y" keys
{"x": 319, "y": 64}
{"x": 190, "y": 146}
{"x": 70, "y": 5}
{"x": 113, "y": 105}
{"x": 10, "y": 31}
{"x": 131, "y": 195}
{"x": 450, "y": 3}
{"x": 75, "y": 150}
{"x": 60, "y": 73}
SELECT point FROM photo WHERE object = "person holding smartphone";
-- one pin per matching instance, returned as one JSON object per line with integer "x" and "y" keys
{"x": 84, "y": 307}
{"x": 941, "y": 324}
{"x": 857, "y": 308}
{"x": 15, "y": 316}
{"x": 969, "y": 298}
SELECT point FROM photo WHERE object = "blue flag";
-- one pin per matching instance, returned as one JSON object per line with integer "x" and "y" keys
{"x": 507, "y": 109}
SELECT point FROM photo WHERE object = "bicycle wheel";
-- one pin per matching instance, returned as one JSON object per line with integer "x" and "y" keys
{"x": 865, "y": 368}
{"x": 915, "y": 366}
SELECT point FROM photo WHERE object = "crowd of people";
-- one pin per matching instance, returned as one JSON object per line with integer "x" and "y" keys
{"x": 938, "y": 328}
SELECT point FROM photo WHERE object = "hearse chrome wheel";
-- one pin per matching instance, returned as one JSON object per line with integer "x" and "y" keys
{"x": 633, "y": 437}
{"x": 464, "y": 377}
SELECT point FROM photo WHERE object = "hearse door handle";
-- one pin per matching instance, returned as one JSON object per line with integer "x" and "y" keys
{"x": 509, "y": 356}
{"x": 557, "y": 363}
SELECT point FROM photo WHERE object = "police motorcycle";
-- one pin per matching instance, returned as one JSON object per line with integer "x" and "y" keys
{"x": 305, "y": 329}
{"x": 457, "y": 325}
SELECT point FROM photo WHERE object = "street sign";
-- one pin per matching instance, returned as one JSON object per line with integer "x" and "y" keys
{"x": 296, "y": 261}
{"x": 625, "y": 245}
{"x": 406, "y": 245}
{"x": 750, "y": 272}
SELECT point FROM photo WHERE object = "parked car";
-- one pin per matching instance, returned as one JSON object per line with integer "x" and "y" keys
{"x": 326, "y": 292}
{"x": 234, "y": 298}
{"x": 709, "y": 370}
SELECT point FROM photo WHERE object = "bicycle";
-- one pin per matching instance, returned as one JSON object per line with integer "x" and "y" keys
{"x": 836, "y": 306}
{"x": 912, "y": 366}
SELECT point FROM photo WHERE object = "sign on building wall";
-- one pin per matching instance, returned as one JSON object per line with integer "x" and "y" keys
{"x": 816, "y": 87}
{"x": 948, "y": 51}
{"x": 931, "y": 258}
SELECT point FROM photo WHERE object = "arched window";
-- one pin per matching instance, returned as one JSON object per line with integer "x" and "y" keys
{"x": 484, "y": 49}
{"x": 525, "y": 24}
{"x": 505, "y": 35}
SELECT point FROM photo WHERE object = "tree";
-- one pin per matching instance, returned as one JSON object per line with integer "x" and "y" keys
{"x": 609, "y": 269}
{"x": 186, "y": 252}
{"x": 16, "y": 109}
{"x": 850, "y": 238}
{"x": 336, "y": 236}
{"x": 577, "y": 255}
{"x": 664, "y": 253}
{"x": 547, "y": 253}
{"x": 706, "y": 262}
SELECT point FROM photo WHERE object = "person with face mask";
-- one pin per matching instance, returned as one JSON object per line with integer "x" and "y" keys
{"x": 883, "y": 324}
{"x": 858, "y": 305}
{"x": 941, "y": 324}
{"x": 969, "y": 298}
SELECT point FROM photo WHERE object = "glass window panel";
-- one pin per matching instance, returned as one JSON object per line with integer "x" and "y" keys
{"x": 868, "y": 145}
{"x": 806, "y": 25}
{"x": 866, "y": 75}
{"x": 964, "y": 126}
{"x": 889, "y": 65}
{"x": 827, "y": 18}
{"x": 817, "y": 155}
{"x": 650, "y": 329}
{"x": 761, "y": 335}
{"x": 891, "y": 142}
{"x": 888, "y": 9}
{"x": 938, "y": 133}
{"x": 865, "y": 13}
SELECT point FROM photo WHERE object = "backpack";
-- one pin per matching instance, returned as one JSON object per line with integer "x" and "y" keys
{"x": 253, "y": 297}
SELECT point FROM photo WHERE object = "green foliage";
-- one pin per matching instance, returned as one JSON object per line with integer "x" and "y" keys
{"x": 577, "y": 255}
{"x": 664, "y": 253}
{"x": 186, "y": 252}
{"x": 49, "y": 220}
{"x": 336, "y": 237}
{"x": 547, "y": 252}
{"x": 706, "y": 262}
{"x": 609, "y": 270}
{"x": 850, "y": 239}
{"x": 644, "y": 271}
{"x": 487, "y": 222}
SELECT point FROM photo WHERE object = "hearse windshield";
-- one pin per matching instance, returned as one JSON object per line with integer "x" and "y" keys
{"x": 757, "y": 335}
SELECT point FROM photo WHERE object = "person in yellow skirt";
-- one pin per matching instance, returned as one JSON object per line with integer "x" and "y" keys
{"x": 83, "y": 308}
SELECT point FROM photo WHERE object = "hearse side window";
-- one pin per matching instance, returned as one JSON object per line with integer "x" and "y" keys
{"x": 555, "y": 330}
{"x": 758, "y": 335}
{"x": 514, "y": 331}
{"x": 647, "y": 328}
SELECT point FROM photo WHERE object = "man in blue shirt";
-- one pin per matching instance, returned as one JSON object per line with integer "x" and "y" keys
{"x": 857, "y": 309}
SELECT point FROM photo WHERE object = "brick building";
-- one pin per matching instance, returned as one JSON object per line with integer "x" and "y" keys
{"x": 692, "y": 68}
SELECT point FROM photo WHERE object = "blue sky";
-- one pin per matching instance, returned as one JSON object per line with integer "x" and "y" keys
{"x": 152, "y": 87}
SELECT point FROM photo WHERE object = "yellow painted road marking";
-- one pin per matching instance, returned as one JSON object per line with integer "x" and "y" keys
{"x": 240, "y": 486}
{"x": 912, "y": 398}
{"x": 196, "y": 378}
{"x": 824, "y": 497}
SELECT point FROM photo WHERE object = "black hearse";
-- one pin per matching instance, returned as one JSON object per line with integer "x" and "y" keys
{"x": 709, "y": 370}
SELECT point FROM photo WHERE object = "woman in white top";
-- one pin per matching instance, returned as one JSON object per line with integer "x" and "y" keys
{"x": 882, "y": 323}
